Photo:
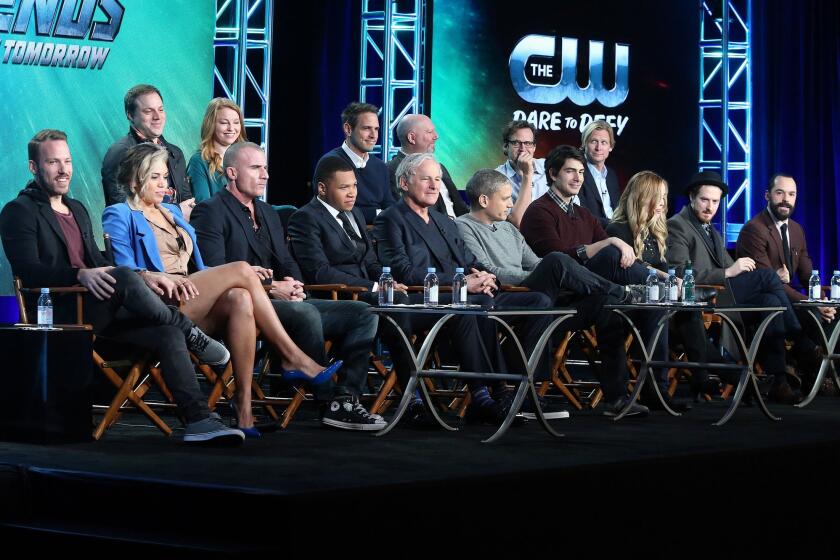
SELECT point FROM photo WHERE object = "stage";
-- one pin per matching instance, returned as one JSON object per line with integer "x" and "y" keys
{"x": 660, "y": 486}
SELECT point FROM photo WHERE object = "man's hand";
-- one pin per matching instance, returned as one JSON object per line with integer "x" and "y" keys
{"x": 287, "y": 289}
{"x": 628, "y": 255}
{"x": 827, "y": 313}
{"x": 400, "y": 288}
{"x": 97, "y": 281}
{"x": 178, "y": 288}
{"x": 263, "y": 273}
{"x": 744, "y": 264}
{"x": 480, "y": 282}
{"x": 186, "y": 208}
{"x": 524, "y": 164}
{"x": 784, "y": 275}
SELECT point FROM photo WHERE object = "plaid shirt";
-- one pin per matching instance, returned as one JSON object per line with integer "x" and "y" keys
{"x": 567, "y": 207}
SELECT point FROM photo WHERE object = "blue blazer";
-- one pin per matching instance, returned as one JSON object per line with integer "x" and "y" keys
{"x": 133, "y": 240}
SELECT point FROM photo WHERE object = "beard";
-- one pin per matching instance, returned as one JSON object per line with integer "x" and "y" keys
{"x": 774, "y": 210}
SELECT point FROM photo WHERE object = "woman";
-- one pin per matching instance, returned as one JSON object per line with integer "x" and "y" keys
{"x": 150, "y": 235}
{"x": 640, "y": 221}
{"x": 221, "y": 127}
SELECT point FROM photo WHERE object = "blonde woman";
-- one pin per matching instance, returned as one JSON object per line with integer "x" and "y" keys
{"x": 222, "y": 126}
{"x": 151, "y": 236}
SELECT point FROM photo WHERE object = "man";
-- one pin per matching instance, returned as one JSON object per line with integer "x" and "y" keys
{"x": 526, "y": 174}
{"x": 49, "y": 242}
{"x": 777, "y": 242}
{"x": 691, "y": 237}
{"x": 332, "y": 245}
{"x": 554, "y": 223}
{"x": 235, "y": 225}
{"x": 360, "y": 122}
{"x": 411, "y": 236}
{"x": 417, "y": 135}
{"x": 498, "y": 244}
{"x": 600, "y": 190}
{"x": 147, "y": 118}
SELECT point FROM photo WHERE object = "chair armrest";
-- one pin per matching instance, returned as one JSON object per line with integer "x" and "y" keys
{"x": 324, "y": 287}
{"x": 512, "y": 288}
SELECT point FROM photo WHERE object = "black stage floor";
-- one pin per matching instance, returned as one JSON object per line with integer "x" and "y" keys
{"x": 660, "y": 486}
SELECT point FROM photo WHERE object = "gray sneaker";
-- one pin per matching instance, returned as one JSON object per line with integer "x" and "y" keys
{"x": 636, "y": 409}
{"x": 208, "y": 350}
{"x": 347, "y": 413}
{"x": 212, "y": 429}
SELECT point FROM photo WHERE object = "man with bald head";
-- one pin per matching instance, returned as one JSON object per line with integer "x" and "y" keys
{"x": 417, "y": 135}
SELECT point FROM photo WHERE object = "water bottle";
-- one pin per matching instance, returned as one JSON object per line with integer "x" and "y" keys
{"x": 672, "y": 293}
{"x": 688, "y": 284}
{"x": 835, "y": 286}
{"x": 386, "y": 287}
{"x": 45, "y": 309}
{"x": 459, "y": 288}
{"x": 430, "y": 288}
{"x": 814, "y": 285}
{"x": 652, "y": 291}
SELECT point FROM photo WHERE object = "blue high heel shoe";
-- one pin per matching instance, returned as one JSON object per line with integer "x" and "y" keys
{"x": 325, "y": 375}
{"x": 251, "y": 432}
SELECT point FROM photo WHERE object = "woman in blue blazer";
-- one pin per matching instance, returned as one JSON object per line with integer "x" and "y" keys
{"x": 151, "y": 236}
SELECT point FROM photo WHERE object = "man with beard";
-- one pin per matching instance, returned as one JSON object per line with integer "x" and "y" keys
{"x": 775, "y": 241}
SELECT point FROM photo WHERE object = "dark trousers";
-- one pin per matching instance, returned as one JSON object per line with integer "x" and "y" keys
{"x": 607, "y": 263}
{"x": 763, "y": 288}
{"x": 348, "y": 324}
{"x": 135, "y": 315}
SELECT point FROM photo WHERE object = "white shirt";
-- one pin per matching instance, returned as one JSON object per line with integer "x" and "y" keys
{"x": 601, "y": 182}
{"x": 358, "y": 161}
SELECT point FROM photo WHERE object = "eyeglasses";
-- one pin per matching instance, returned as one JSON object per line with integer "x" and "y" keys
{"x": 525, "y": 143}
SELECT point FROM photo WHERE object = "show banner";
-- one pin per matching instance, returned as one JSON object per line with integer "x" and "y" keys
{"x": 67, "y": 64}
{"x": 561, "y": 65}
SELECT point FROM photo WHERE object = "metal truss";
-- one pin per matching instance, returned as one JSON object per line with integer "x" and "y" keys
{"x": 242, "y": 72}
{"x": 392, "y": 66}
{"x": 725, "y": 105}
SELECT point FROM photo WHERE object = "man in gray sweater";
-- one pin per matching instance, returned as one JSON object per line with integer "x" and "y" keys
{"x": 497, "y": 244}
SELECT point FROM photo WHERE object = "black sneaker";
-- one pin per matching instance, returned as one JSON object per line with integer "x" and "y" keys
{"x": 208, "y": 350}
{"x": 347, "y": 413}
{"x": 491, "y": 413}
{"x": 636, "y": 409}
{"x": 528, "y": 412}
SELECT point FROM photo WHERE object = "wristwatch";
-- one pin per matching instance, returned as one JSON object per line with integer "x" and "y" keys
{"x": 581, "y": 253}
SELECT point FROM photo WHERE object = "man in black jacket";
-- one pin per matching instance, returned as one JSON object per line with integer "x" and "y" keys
{"x": 147, "y": 117}
{"x": 49, "y": 242}
{"x": 417, "y": 135}
{"x": 235, "y": 225}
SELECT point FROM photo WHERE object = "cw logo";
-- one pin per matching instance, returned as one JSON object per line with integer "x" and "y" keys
{"x": 567, "y": 86}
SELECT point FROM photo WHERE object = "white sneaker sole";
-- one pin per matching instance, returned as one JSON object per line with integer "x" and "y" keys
{"x": 233, "y": 435}
{"x": 350, "y": 426}
{"x": 556, "y": 415}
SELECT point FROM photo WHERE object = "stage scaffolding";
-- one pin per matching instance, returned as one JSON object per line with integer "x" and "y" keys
{"x": 725, "y": 103}
{"x": 242, "y": 72}
{"x": 392, "y": 65}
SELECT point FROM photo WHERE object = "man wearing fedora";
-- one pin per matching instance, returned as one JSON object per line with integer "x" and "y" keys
{"x": 692, "y": 237}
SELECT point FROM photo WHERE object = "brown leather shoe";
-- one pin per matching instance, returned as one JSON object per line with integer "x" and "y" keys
{"x": 783, "y": 394}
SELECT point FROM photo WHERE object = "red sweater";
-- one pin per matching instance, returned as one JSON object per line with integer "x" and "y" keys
{"x": 547, "y": 228}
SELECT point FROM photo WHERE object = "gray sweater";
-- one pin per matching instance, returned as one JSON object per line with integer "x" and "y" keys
{"x": 499, "y": 247}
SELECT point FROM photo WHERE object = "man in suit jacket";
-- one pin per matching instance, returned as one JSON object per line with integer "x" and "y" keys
{"x": 777, "y": 242}
{"x": 417, "y": 135}
{"x": 411, "y": 236}
{"x": 361, "y": 132}
{"x": 600, "y": 191}
{"x": 49, "y": 242}
{"x": 235, "y": 225}
{"x": 691, "y": 237}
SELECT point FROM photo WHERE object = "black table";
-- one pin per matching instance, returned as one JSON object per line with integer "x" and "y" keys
{"x": 525, "y": 382}
{"x": 46, "y": 383}
{"x": 829, "y": 344}
{"x": 748, "y": 352}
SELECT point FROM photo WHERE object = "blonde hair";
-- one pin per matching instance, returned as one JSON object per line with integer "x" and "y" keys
{"x": 591, "y": 128}
{"x": 208, "y": 126}
{"x": 136, "y": 168}
{"x": 636, "y": 208}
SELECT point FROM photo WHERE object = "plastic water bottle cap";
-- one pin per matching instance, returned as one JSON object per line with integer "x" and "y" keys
{"x": 459, "y": 269}
{"x": 430, "y": 269}
{"x": 45, "y": 290}
{"x": 815, "y": 272}
{"x": 672, "y": 271}
{"x": 837, "y": 272}
{"x": 386, "y": 269}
